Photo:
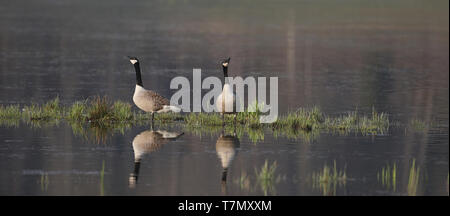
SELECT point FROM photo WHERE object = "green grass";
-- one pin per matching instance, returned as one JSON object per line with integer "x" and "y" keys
{"x": 44, "y": 182}
{"x": 266, "y": 178}
{"x": 10, "y": 116}
{"x": 244, "y": 182}
{"x": 418, "y": 125}
{"x": 10, "y": 112}
{"x": 413, "y": 180}
{"x": 48, "y": 111}
{"x": 303, "y": 119}
{"x": 328, "y": 179}
{"x": 77, "y": 112}
{"x": 102, "y": 179}
{"x": 304, "y": 123}
{"x": 388, "y": 176}
{"x": 202, "y": 119}
{"x": 376, "y": 123}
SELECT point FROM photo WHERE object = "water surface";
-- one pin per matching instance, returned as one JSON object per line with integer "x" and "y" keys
{"x": 391, "y": 56}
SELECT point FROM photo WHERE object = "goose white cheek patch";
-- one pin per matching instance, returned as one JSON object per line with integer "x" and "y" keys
{"x": 133, "y": 61}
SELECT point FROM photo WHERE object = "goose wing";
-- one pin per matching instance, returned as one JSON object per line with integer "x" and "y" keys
{"x": 158, "y": 101}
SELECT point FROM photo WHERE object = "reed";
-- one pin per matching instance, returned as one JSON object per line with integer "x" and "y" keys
{"x": 388, "y": 177}
{"x": 413, "y": 180}
{"x": 328, "y": 179}
{"x": 266, "y": 178}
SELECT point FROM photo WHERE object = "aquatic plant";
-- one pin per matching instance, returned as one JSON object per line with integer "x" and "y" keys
{"x": 307, "y": 136}
{"x": 10, "y": 112}
{"x": 255, "y": 134}
{"x": 77, "y": 112}
{"x": 48, "y": 111}
{"x": 304, "y": 119}
{"x": 10, "y": 122}
{"x": 304, "y": 123}
{"x": 99, "y": 110}
{"x": 98, "y": 132}
{"x": 265, "y": 177}
{"x": 328, "y": 179}
{"x": 44, "y": 181}
{"x": 244, "y": 182}
{"x": 418, "y": 125}
{"x": 413, "y": 180}
{"x": 102, "y": 179}
{"x": 10, "y": 115}
{"x": 345, "y": 122}
{"x": 388, "y": 176}
{"x": 377, "y": 123}
{"x": 121, "y": 111}
{"x": 201, "y": 119}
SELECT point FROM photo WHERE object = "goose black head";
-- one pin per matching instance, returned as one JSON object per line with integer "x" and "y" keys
{"x": 225, "y": 66}
{"x": 226, "y": 62}
{"x": 133, "y": 60}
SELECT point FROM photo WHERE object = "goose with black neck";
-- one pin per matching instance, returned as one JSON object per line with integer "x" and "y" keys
{"x": 148, "y": 100}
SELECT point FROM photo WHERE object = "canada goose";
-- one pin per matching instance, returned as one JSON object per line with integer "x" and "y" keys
{"x": 146, "y": 142}
{"x": 226, "y": 149}
{"x": 227, "y": 102}
{"x": 147, "y": 100}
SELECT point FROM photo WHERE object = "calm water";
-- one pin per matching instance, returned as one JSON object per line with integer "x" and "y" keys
{"x": 339, "y": 55}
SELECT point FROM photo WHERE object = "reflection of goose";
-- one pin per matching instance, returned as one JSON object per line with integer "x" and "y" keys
{"x": 226, "y": 148}
{"x": 147, "y": 100}
{"x": 227, "y": 102}
{"x": 146, "y": 142}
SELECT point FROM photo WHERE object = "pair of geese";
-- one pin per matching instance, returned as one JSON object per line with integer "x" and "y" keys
{"x": 151, "y": 102}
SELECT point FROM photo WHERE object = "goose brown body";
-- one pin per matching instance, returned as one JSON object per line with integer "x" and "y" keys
{"x": 149, "y": 101}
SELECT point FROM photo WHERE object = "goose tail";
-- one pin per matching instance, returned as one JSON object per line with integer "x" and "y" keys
{"x": 169, "y": 108}
{"x": 170, "y": 135}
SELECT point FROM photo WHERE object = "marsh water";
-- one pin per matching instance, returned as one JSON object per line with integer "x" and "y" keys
{"x": 338, "y": 55}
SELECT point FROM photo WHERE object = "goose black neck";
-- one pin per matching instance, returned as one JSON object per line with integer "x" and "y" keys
{"x": 225, "y": 71}
{"x": 138, "y": 74}
{"x": 224, "y": 175}
{"x": 137, "y": 165}
{"x": 225, "y": 74}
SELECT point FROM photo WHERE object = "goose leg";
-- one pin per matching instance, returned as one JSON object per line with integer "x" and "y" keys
{"x": 153, "y": 116}
{"x": 223, "y": 119}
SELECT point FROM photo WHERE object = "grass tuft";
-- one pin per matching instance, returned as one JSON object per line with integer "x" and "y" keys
{"x": 10, "y": 112}
{"x": 266, "y": 177}
{"x": 328, "y": 179}
{"x": 413, "y": 180}
{"x": 388, "y": 176}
